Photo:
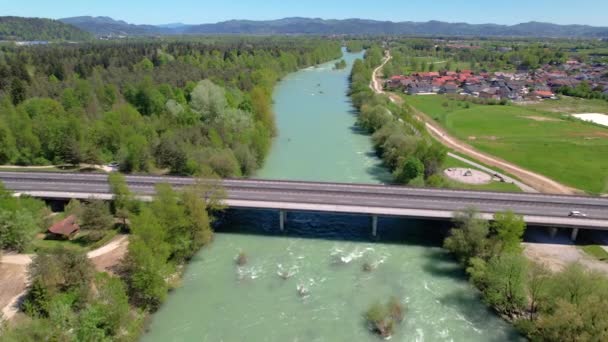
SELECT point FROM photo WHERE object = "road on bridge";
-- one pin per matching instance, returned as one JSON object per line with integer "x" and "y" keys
{"x": 537, "y": 209}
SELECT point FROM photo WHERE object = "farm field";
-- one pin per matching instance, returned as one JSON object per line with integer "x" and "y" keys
{"x": 565, "y": 149}
{"x": 571, "y": 105}
{"x": 438, "y": 64}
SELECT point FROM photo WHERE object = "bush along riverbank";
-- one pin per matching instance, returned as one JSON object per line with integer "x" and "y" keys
{"x": 564, "y": 306}
{"x": 399, "y": 139}
{"x": 69, "y": 301}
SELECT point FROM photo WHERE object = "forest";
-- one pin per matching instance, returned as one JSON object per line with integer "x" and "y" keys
{"x": 180, "y": 106}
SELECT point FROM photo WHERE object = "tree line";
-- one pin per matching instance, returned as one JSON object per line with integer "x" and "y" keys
{"x": 567, "y": 305}
{"x": 187, "y": 106}
{"x": 399, "y": 139}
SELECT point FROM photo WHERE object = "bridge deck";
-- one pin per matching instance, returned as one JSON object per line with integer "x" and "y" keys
{"x": 538, "y": 209}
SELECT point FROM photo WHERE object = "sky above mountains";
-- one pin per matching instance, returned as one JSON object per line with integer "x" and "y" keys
{"x": 588, "y": 12}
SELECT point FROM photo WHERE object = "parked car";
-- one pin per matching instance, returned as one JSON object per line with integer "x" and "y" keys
{"x": 576, "y": 213}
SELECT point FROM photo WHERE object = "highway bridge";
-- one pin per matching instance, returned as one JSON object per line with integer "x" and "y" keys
{"x": 374, "y": 200}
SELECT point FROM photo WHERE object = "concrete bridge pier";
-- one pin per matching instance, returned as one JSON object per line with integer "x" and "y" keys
{"x": 552, "y": 232}
{"x": 574, "y": 234}
{"x": 282, "y": 220}
{"x": 375, "y": 225}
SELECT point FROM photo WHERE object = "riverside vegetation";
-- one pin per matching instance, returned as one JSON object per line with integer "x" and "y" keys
{"x": 401, "y": 141}
{"x": 186, "y": 106}
{"x": 68, "y": 301}
{"x": 544, "y": 306}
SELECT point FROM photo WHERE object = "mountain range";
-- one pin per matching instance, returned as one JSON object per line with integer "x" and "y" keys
{"x": 79, "y": 28}
{"x": 18, "y": 28}
{"x": 316, "y": 26}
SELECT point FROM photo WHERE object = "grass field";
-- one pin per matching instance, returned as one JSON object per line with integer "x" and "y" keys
{"x": 596, "y": 251}
{"x": 79, "y": 243}
{"x": 438, "y": 64}
{"x": 494, "y": 186}
{"x": 570, "y": 151}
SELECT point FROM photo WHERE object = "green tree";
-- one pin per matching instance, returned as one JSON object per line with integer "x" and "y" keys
{"x": 509, "y": 229}
{"x": 96, "y": 216}
{"x": 74, "y": 207}
{"x": 18, "y": 91}
{"x": 208, "y": 100}
{"x": 502, "y": 281}
{"x": 144, "y": 65}
{"x": 56, "y": 272}
{"x": 123, "y": 202}
{"x": 17, "y": 229}
{"x": 470, "y": 236}
{"x": 413, "y": 168}
{"x": 537, "y": 284}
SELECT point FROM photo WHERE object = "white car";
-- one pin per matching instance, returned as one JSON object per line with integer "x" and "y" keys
{"x": 576, "y": 213}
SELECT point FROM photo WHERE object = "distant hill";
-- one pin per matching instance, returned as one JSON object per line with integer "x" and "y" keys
{"x": 17, "y": 28}
{"x": 105, "y": 25}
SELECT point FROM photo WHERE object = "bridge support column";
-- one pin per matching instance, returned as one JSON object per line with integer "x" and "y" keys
{"x": 282, "y": 220}
{"x": 375, "y": 225}
{"x": 552, "y": 232}
{"x": 574, "y": 234}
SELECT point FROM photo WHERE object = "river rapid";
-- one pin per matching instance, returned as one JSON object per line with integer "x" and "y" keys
{"x": 308, "y": 283}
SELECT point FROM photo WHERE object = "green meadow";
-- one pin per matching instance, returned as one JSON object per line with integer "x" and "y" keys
{"x": 570, "y": 151}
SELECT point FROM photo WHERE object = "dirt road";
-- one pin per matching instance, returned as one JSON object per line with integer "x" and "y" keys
{"x": 534, "y": 180}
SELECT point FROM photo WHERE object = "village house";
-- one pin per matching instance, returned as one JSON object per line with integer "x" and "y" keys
{"x": 542, "y": 83}
{"x": 65, "y": 229}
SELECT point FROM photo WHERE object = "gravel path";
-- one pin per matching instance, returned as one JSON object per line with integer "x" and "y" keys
{"x": 14, "y": 272}
{"x": 522, "y": 186}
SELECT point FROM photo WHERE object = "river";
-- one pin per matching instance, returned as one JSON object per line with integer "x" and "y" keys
{"x": 323, "y": 255}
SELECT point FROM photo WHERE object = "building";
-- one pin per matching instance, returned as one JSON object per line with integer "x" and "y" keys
{"x": 65, "y": 229}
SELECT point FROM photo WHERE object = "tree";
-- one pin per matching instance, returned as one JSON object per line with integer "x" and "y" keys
{"x": 18, "y": 91}
{"x": 17, "y": 229}
{"x": 123, "y": 202}
{"x": 144, "y": 65}
{"x": 502, "y": 281}
{"x": 109, "y": 308}
{"x": 537, "y": 287}
{"x": 146, "y": 261}
{"x": 172, "y": 217}
{"x": 199, "y": 223}
{"x": 74, "y": 207}
{"x": 57, "y": 272}
{"x": 96, "y": 216}
{"x": 509, "y": 229}
{"x": 470, "y": 236}
{"x": 208, "y": 100}
{"x": 413, "y": 168}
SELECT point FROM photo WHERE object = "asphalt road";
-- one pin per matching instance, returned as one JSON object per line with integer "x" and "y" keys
{"x": 358, "y": 198}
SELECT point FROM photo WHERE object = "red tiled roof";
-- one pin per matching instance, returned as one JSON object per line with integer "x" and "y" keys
{"x": 544, "y": 93}
{"x": 65, "y": 227}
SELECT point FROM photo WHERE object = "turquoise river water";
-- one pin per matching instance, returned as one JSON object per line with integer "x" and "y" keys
{"x": 308, "y": 283}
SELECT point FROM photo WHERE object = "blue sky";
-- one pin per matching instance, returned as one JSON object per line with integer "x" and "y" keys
{"x": 591, "y": 12}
